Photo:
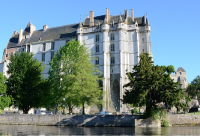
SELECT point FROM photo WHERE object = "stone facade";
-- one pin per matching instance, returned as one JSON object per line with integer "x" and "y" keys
{"x": 180, "y": 76}
{"x": 116, "y": 41}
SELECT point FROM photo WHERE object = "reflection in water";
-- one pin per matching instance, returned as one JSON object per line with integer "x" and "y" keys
{"x": 24, "y": 130}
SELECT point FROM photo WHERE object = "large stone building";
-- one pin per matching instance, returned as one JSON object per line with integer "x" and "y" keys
{"x": 115, "y": 40}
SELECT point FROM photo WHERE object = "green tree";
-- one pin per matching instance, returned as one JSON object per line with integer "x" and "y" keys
{"x": 194, "y": 88}
{"x": 150, "y": 85}
{"x": 73, "y": 77}
{"x": 5, "y": 100}
{"x": 25, "y": 82}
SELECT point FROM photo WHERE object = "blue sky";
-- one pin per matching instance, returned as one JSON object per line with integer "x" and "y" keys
{"x": 175, "y": 24}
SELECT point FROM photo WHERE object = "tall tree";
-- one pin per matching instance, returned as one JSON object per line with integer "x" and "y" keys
{"x": 73, "y": 77}
{"x": 194, "y": 87}
{"x": 150, "y": 85}
{"x": 25, "y": 81}
{"x": 5, "y": 100}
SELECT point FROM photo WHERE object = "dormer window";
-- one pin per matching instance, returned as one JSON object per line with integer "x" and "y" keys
{"x": 180, "y": 73}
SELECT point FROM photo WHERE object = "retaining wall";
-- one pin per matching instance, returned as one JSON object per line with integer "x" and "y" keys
{"x": 181, "y": 119}
{"x": 70, "y": 120}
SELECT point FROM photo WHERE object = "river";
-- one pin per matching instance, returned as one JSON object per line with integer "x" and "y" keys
{"x": 24, "y": 130}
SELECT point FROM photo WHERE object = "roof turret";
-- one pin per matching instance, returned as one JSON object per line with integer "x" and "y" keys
{"x": 120, "y": 19}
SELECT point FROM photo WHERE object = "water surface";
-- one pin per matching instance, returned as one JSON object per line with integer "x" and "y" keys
{"x": 24, "y": 130}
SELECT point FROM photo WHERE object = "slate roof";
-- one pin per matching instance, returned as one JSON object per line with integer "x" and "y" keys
{"x": 13, "y": 41}
{"x": 64, "y": 31}
{"x": 140, "y": 20}
{"x": 180, "y": 69}
{"x": 51, "y": 34}
{"x": 27, "y": 30}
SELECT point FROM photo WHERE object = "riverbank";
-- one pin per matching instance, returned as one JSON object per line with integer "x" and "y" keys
{"x": 183, "y": 119}
{"x": 95, "y": 120}
{"x": 70, "y": 120}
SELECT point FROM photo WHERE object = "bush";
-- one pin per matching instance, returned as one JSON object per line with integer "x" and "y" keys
{"x": 134, "y": 111}
{"x": 153, "y": 114}
{"x": 165, "y": 123}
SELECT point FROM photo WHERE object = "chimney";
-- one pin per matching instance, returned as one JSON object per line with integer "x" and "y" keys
{"x": 15, "y": 33}
{"x": 132, "y": 14}
{"x": 20, "y": 35}
{"x": 126, "y": 14}
{"x": 45, "y": 27}
{"x": 107, "y": 14}
{"x": 32, "y": 28}
{"x": 91, "y": 18}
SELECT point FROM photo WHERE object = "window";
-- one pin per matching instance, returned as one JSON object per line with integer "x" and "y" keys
{"x": 43, "y": 57}
{"x": 112, "y": 37}
{"x": 6, "y": 54}
{"x": 52, "y": 45}
{"x": 143, "y": 40}
{"x": 180, "y": 73}
{"x": 44, "y": 46}
{"x": 28, "y": 48}
{"x": 97, "y": 37}
{"x": 52, "y": 54}
{"x": 97, "y": 61}
{"x": 97, "y": 48}
{"x": 112, "y": 60}
{"x": 112, "y": 47}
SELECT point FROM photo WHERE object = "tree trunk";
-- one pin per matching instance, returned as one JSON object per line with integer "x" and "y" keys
{"x": 25, "y": 110}
{"x": 70, "y": 110}
{"x": 83, "y": 112}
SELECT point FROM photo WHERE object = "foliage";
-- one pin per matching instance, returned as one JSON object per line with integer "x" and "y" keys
{"x": 5, "y": 100}
{"x": 194, "y": 88}
{"x": 150, "y": 85}
{"x": 165, "y": 123}
{"x": 135, "y": 111}
{"x": 25, "y": 83}
{"x": 73, "y": 77}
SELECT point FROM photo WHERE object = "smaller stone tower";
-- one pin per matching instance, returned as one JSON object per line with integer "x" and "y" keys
{"x": 180, "y": 76}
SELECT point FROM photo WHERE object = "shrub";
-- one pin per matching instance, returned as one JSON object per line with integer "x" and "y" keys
{"x": 165, "y": 123}
{"x": 134, "y": 111}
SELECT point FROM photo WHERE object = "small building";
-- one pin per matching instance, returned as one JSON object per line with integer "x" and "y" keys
{"x": 180, "y": 76}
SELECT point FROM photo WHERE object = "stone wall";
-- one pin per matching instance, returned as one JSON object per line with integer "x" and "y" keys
{"x": 69, "y": 120}
{"x": 178, "y": 119}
